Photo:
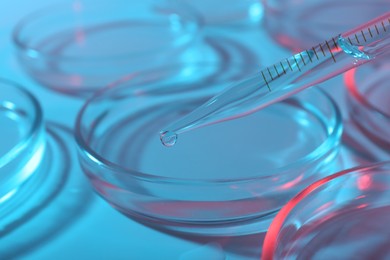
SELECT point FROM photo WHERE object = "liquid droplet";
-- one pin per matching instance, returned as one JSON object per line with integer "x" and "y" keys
{"x": 353, "y": 50}
{"x": 168, "y": 138}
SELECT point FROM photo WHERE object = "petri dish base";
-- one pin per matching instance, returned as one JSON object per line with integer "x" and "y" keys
{"x": 36, "y": 213}
{"x": 21, "y": 137}
{"x": 79, "y": 47}
{"x": 226, "y": 179}
{"x": 343, "y": 216}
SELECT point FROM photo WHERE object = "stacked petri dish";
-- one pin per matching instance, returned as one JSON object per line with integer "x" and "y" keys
{"x": 37, "y": 175}
{"x": 343, "y": 216}
{"x": 22, "y": 138}
{"x": 299, "y": 25}
{"x": 226, "y": 179}
{"x": 79, "y": 47}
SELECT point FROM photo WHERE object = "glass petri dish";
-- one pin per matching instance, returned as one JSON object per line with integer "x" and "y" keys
{"x": 37, "y": 175}
{"x": 299, "y": 25}
{"x": 227, "y": 12}
{"x": 343, "y": 216}
{"x": 78, "y": 47}
{"x": 22, "y": 142}
{"x": 226, "y": 179}
{"x": 368, "y": 100}
{"x": 34, "y": 215}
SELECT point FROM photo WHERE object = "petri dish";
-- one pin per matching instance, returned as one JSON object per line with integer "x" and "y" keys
{"x": 343, "y": 216}
{"x": 78, "y": 47}
{"x": 299, "y": 25}
{"x": 38, "y": 175}
{"x": 226, "y": 179}
{"x": 368, "y": 101}
{"x": 231, "y": 13}
{"x": 21, "y": 138}
{"x": 35, "y": 214}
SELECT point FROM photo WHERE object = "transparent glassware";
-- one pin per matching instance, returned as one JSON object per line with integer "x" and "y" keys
{"x": 343, "y": 216}
{"x": 298, "y": 25}
{"x": 288, "y": 76}
{"x": 225, "y": 179}
{"x": 229, "y": 13}
{"x": 21, "y": 138}
{"x": 78, "y": 47}
{"x": 368, "y": 98}
{"x": 38, "y": 175}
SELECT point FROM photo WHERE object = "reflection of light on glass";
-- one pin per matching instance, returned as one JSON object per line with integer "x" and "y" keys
{"x": 31, "y": 166}
{"x": 8, "y": 105}
{"x": 192, "y": 55}
{"x": 364, "y": 182}
{"x": 350, "y": 83}
{"x": 32, "y": 54}
{"x": 324, "y": 207}
{"x": 256, "y": 12}
{"x": 10, "y": 109}
{"x": 188, "y": 71}
{"x": 92, "y": 158}
{"x": 362, "y": 206}
{"x": 76, "y": 80}
{"x": 7, "y": 196}
{"x": 292, "y": 183}
{"x": 302, "y": 120}
{"x": 175, "y": 23}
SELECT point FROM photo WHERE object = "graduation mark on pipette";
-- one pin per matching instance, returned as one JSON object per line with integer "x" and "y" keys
{"x": 289, "y": 76}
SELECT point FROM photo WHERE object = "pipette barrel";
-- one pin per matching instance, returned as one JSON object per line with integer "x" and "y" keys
{"x": 289, "y": 76}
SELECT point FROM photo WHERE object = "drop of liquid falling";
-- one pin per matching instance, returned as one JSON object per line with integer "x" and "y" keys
{"x": 168, "y": 138}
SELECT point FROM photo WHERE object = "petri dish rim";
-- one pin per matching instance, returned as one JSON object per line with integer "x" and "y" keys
{"x": 354, "y": 92}
{"x": 270, "y": 241}
{"x": 22, "y": 45}
{"x": 224, "y": 20}
{"x": 304, "y": 36}
{"x": 332, "y": 138}
{"x": 35, "y": 127}
{"x": 42, "y": 197}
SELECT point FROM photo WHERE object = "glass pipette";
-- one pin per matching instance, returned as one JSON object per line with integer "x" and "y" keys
{"x": 289, "y": 76}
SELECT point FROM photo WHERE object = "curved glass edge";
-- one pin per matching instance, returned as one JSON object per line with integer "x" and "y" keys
{"x": 271, "y": 238}
{"x": 25, "y": 157}
{"x": 371, "y": 121}
{"x": 178, "y": 11}
{"x": 40, "y": 200}
{"x": 128, "y": 191}
{"x": 351, "y": 85}
{"x": 327, "y": 151}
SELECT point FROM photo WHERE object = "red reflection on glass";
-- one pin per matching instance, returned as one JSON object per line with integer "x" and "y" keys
{"x": 285, "y": 40}
{"x": 269, "y": 243}
{"x": 324, "y": 207}
{"x": 80, "y": 37}
{"x": 364, "y": 182}
{"x": 362, "y": 206}
{"x": 292, "y": 183}
{"x": 350, "y": 83}
{"x": 76, "y": 80}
